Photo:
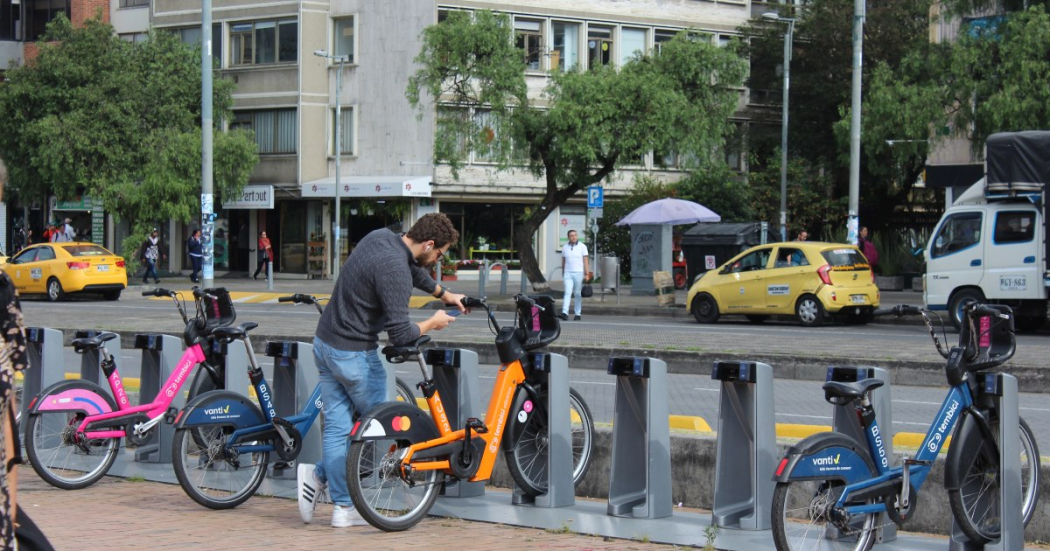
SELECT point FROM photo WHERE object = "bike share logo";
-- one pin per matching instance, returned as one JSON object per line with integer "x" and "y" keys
{"x": 319, "y": 404}
{"x": 827, "y": 461}
{"x": 938, "y": 437}
{"x": 218, "y": 411}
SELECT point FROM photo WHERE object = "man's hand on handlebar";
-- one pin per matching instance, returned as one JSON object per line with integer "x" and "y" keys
{"x": 454, "y": 299}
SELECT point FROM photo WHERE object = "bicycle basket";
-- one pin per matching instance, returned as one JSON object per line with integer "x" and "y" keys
{"x": 540, "y": 328}
{"x": 993, "y": 344}
{"x": 218, "y": 311}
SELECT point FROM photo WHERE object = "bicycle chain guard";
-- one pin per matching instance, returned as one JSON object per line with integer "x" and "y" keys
{"x": 134, "y": 438}
{"x": 900, "y": 516}
{"x": 284, "y": 451}
{"x": 456, "y": 464}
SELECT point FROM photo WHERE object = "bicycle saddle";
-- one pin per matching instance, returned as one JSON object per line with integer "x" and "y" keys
{"x": 234, "y": 332}
{"x": 840, "y": 394}
{"x": 398, "y": 354}
{"x": 84, "y": 344}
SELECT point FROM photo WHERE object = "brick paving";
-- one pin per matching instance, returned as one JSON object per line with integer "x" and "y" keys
{"x": 121, "y": 514}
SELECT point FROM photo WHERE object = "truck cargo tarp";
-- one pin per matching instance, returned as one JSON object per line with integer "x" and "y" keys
{"x": 1018, "y": 161}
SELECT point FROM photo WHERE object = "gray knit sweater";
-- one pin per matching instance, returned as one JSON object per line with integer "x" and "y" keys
{"x": 371, "y": 295}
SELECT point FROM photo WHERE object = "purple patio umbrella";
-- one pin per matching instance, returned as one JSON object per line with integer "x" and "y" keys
{"x": 670, "y": 211}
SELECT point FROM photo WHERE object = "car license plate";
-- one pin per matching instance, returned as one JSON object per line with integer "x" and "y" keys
{"x": 858, "y": 299}
{"x": 103, "y": 268}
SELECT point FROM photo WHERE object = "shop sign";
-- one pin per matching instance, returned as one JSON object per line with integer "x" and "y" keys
{"x": 252, "y": 197}
{"x": 80, "y": 203}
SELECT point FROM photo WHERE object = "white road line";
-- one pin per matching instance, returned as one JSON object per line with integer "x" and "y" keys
{"x": 709, "y": 389}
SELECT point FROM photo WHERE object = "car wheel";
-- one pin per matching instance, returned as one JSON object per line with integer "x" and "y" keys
{"x": 756, "y": 318}
{"x": 810, "y": 311}
{"x": 111, "y": 295}
{"x": 705, "y": 309}
{"x": 959, "y": 302}
{"x": 54, "y": 290}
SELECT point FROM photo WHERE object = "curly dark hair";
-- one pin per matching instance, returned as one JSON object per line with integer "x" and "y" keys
{"x": 434, "y": 226}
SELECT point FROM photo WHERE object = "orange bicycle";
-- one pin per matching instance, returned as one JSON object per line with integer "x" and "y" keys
{"x": 399, "y": 456}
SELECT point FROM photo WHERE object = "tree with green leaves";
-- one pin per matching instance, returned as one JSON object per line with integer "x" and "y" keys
{"x": 95, "y": 115}
{"x": 584, "y": 126}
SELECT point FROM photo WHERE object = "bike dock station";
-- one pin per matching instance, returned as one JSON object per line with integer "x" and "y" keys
{"x": 91, "y": 360}
{"x": 294, "y": 379}
{"x": 844, "y": 420}
{"x": 1003, "y": 388}
{"x": 456, "y": 379}
{"x": 234, "y": 360}
{"x": 561, "y": 492}
{"x": 747, "y": 446}
{"x": 160, "y": 355}
{"x": 46, "y": 364}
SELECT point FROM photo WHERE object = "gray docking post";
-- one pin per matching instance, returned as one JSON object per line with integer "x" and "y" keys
{"x": 456, "y": 379}
{"x": 46, "y": 364}
{"x": 294, "y": 379}
{"x": 561, "y": 490}
{"x": 160, "y": 355}
{"x": 91, "y": 360}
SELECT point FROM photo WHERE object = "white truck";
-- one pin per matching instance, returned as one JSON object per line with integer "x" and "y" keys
{"x": 990, "y": 245}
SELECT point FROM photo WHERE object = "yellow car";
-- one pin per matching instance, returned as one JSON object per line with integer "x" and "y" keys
{"x": 802, "y": 278}
{"x": 56, "y": 269}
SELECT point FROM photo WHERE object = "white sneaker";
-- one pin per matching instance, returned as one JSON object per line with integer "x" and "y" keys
{"x": 309, "y": 490}
{"x": 345, "y": 517}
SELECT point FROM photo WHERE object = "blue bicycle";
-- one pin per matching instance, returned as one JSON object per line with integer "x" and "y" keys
{"x": 832, "y": 489}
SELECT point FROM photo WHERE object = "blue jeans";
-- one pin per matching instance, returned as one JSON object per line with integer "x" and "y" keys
{"x": 151, "y": 268}
{"x": 350, "y": 381}
{"x": 573, "y": 286}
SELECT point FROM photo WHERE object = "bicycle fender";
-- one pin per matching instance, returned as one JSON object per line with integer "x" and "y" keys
{"x": 399, "y": 420}
{"x": 965, "y": 446}
{"x": 220, "y": 407}
{"x": 826, "y": 455}
{"x": 73, "y": 395}
{"x": 521, "y": 411}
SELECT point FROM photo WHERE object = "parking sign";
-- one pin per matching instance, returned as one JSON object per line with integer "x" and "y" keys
{"x": 595, "y": 197}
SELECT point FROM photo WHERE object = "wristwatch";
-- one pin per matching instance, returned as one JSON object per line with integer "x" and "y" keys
{"x": 442, "y": 293}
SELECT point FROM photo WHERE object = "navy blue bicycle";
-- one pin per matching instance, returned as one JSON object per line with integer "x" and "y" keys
{"x": 832, "y": 489}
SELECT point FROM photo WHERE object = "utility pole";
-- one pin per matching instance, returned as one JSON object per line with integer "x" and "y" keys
{"x": 853, "y": 224}
{"x": 207, "y": 194}
{"x": 336, "y": 239}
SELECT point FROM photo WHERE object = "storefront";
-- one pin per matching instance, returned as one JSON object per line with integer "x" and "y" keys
{"x": 85, "y": 215}
{"x": 237, "y": 227}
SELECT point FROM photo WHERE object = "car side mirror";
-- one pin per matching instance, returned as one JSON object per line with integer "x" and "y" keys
{"x": 724, "y": 270}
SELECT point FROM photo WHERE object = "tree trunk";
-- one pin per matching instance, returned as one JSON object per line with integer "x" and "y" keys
{"x": 529, "y": 265}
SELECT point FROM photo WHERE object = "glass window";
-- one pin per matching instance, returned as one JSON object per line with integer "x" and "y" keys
{"x": 632, "y": 43}
{"x": 959, "y": 231}
{"x": 724, "y": 40}
{"x": 192, "y": 35}
{"x": 599, "y": 45}
{"x": 565, "y": 45}
{"x": 529, "y": 38}
{"x": 344, "y": 38}
{"x": 46, "y": 253}
{"x": 134, "y": 3}
{"x": 263, "y": 42}
{"x": 488, "y": 131}
{"x": 1014, "y": 227}
{"x": 734, "y": 148}
{"x": 791, "y": 256}
{"x": 662, "y": 35}
{"x": 87, "y": 250}
{"x": 757, "y": 260}
{"x": 346, "y": 130}
{"x": 39, "y": 13}
{"x": 275, "y": 129}
{"x": 28, "y": 255}
{"x": 134, "y": 37}
{"x": 845, "y": 257}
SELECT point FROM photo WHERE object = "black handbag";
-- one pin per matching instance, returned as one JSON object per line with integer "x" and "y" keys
{"x": 28, "y": 534}
{"x": 587, "y": 291}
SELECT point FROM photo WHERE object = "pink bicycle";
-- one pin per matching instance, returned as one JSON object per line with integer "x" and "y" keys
{"x": 75, "y": 426}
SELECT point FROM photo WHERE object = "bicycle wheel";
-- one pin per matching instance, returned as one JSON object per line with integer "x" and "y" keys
{"x": 527, "y": 457}
{"x": 404, "y": 392}
{"x": 63, "y": 459}
{"x": 802, "y": 518}
{"x": 212, "y": 474}
{"x": 385, "y": 499}
{"x": 976, "y": 506}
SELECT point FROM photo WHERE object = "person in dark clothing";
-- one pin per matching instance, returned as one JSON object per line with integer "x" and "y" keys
{"x": 265, "y": 256}
{"x": 195, "y": 249}
{"x": 867, "y": 247}
{"x": 370, "y": 296}
{"x": 151, "y": 253}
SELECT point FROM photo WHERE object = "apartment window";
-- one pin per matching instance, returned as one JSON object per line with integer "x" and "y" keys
{"x": 10, "y": 20}
{"x": 660, "y": 36}
{"x": 346, "y": 130}
{"x": 274, "y": 129}
{"x": 39, "y": 13}
{"x": 724, "y": 40}
{"x": 632, "y": 42}
{"x": 134, "y": 37}
{"x": 599, "y": 45}
{"x": 565, "y": 45}
{"x": 345, "y": 30}
{"x": 529, "y": 38}
{"x": 192, "y": 36}
{"x": 734, "y": 148}
{"x": 487, "y": 138}
{"x": 134, "y": 3}
{"x": 264, "y": 42}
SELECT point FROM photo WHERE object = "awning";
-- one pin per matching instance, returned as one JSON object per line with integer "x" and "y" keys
{"x": 369, "y": 186}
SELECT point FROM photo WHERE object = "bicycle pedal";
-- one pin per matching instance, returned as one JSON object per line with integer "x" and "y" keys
{"x": 476, "y": 425}
{"x": 170, "y": 415}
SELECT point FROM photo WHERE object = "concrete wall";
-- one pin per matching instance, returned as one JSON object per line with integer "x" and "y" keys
{"x": 10, "y": 54}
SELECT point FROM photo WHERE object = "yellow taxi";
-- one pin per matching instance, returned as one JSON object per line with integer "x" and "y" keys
{"x": 806, "y": 279}
{"x": 57, "y": 269}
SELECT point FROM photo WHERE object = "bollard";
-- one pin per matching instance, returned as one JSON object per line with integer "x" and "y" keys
{"x": 561, "y": 491}
{"x": 483, "y": 276}
{"x": 91, "y": 360}
{"x": 160, "y": 356}
{"x": 46, "y": 364}
{"x": 1002, "y": 388}
{"x": 746, "y": 437}
{"x": 295, "y": 382}
{"x": 504, "y": 277}
{"x": 456, "y": 381}
{"x": 844, "y": 420}
{"x": 524, "y": 283}
{"x": 640, "y": 476}
{"x": 269, "y": 276}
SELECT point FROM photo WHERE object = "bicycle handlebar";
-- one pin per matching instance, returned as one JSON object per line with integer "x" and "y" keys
{"x": 981, "y": 310}
{"x": 300, "y": 298}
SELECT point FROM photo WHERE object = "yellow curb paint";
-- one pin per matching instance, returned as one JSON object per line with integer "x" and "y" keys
{"x": 419, "y": 302}
{"x": 789, "y": 430}
{"x": 689, "y": 422}
{"x": 247, "y": 297}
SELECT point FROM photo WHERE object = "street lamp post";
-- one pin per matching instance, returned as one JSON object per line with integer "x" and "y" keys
{"x": 788, "y": 38}
{"x": 336, "y": 230}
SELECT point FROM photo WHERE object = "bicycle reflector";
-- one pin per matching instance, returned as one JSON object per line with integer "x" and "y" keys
{"x": 780, "y": 467}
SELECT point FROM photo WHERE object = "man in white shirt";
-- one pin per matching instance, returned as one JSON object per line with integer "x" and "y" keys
{"x": 574, "y": 267}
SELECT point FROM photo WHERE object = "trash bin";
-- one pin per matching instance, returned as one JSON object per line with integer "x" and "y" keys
{"x": 720, "y": 242}
{"x": 610, "y": 273}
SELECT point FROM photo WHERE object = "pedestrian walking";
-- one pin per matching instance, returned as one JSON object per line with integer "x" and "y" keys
{"x": 265, "y": 256}
{"x": 195, "y": 250}
{"x": 575, "y": 270}
{"x": 151, "y": 253}
{"x": 50, "y": 234}
{"x": 370, "y": 296}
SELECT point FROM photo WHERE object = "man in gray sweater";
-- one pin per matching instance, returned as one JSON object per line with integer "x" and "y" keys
{"x": 370, "y": 296}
